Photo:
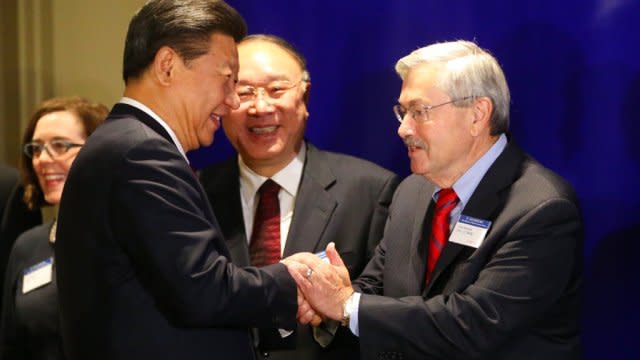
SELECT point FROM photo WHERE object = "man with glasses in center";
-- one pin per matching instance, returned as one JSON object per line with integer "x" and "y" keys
{"x": 316, "y": 196}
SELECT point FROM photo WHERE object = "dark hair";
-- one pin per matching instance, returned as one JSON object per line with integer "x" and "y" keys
{"x": 284, "y": 45}
{"x": 185, "y": 26}
{"x": 90, "y": 114}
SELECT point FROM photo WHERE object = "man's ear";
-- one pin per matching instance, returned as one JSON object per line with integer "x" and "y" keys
{"x": 307, "y": 92}
{"x": 164, "y": 65}
{"x": 481, "y": 111}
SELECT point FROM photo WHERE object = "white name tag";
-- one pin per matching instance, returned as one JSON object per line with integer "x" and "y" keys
{"x": 37, "y": 275}
{"x": 469, "y": 231}
{"x": 323, "y": 256}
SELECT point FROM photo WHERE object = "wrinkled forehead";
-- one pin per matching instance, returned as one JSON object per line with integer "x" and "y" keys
{"x": 266, "y": 60}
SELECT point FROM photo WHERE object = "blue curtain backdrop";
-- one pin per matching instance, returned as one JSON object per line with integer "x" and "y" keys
{"x": 574, "y": 72}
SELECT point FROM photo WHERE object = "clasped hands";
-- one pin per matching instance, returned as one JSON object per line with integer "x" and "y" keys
{"x": 323, "y": 287}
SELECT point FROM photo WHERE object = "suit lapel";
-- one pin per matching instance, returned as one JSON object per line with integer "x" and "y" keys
{"x": 223, "y": 190}
{"x": 486, "y": 201}
{"x": 421, "y": 221}
{"x": 314, "y": 204}
{"x": 120, "y": 110}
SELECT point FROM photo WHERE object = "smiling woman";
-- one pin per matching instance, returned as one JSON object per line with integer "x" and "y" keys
{"x": 56, "y": 132}
{"x": 58, "y": 126}
{"x": 59, "y": 134}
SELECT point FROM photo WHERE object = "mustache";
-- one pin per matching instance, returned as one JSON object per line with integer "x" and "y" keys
{"x": 414, "y": 142}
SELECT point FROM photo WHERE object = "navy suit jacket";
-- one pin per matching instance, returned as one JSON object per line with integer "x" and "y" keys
{"x": 143, "y": 269}
{"x": 341, "y": 199}
{"x": 517, "y": 296}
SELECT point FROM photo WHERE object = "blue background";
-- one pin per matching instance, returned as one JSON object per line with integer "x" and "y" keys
{"x": 574, "y": 73}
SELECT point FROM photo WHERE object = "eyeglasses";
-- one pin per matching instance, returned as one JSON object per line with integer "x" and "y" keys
{"x": 420, "y": 113}
{"x": 273, "y": 91}
{"x": 55, "y": 148}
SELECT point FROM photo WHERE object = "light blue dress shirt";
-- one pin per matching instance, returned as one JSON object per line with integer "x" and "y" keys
{"x": 464, "y": 188}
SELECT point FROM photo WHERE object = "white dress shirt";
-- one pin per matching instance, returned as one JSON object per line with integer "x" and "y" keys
{"x": 289, "y": 180}
{"x": 144, "y": 108}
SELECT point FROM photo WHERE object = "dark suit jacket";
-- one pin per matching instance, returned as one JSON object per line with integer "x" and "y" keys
{"x": 515, "y": 297}
{"x": 341, "y": 199}
{"x": 143, "y": 269}
{"x": 8, "y": 180}
{"x": 30, "y": 321}
{"x": 15, "y": 217}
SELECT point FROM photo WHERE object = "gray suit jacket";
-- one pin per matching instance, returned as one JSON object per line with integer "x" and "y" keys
{"x": 517, "y": 296}
{"x": 341, "y": 199}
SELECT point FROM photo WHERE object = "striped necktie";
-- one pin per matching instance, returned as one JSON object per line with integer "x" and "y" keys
{"x": 447, "y": 200}
{"x": 264, "y": 247}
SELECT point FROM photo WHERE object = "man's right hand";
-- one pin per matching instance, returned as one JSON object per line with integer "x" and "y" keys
{"x": 325, "y": 286}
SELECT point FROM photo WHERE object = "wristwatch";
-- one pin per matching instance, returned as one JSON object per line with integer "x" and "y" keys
{"x": 347, "y": 308}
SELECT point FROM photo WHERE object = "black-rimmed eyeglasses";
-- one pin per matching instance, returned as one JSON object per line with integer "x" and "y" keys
{"x": 54, "y": 148}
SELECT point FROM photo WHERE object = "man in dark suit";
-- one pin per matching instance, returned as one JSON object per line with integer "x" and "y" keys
{"x": 142, "y": 266}
{"x": 481, "y": 255}
{"x": 15, "y": 217}
{"x": 322, "y": 196}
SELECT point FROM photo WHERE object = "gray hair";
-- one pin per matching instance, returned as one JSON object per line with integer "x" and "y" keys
{"x": 466, "y": 71}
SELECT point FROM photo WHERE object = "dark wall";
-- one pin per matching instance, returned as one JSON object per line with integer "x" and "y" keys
{"x": 573, "y": 67}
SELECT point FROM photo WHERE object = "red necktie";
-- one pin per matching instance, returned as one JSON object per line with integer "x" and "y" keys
{"x": 447, "y": 200}
{"x": 264, "y": 247}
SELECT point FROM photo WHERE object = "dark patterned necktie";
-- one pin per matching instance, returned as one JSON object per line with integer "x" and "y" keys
{"x": 264, "y": 247}
{"x": 447, "y": 200}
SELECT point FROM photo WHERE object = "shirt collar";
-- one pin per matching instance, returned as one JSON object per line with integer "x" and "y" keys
{"x": 154, "y": 116}
{"x": 468, "y": 182}
{"x": 288, "y": 178}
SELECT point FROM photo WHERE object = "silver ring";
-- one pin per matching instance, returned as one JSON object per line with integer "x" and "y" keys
{"x": 309, "y": 273}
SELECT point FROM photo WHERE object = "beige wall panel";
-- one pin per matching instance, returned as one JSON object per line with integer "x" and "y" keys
{"x": 26, "y": 80}
{"x": 88, "y": 38}
{"x": 57, "y": 48}
{"x": 9, "y": 110}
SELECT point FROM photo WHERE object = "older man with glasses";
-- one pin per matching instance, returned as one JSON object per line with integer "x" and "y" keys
{"x": 482, "y": 254}
{"x": 282, "y": 195}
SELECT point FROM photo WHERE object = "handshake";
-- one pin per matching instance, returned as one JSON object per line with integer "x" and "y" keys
{"x": 323, "y": 287}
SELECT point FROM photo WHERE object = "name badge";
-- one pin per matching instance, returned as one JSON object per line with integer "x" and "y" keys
{"x": 323, "y": 256}
{"x": 37, "y": 275}
{"x": 469, "y": 231}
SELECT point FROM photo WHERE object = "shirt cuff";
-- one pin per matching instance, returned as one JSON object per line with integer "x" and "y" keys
{"x": 285, "y": 333}
{"x": 353, "y": 317}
